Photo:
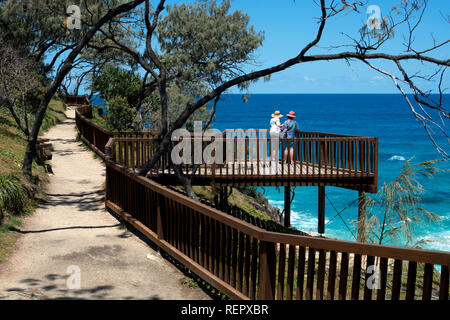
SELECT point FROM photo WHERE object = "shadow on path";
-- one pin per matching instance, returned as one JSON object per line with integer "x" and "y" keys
{"x": 84, "y": 201}
{"x": 56, "y": 286}
{"x": 66, "y": 228}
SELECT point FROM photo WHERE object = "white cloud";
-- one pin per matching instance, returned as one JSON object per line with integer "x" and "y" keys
{"x": 309, "y": 79}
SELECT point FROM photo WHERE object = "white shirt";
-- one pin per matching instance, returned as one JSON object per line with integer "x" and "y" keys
{"x": 274, "y": 125}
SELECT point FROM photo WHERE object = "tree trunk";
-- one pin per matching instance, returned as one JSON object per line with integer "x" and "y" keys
{"x": 30, "y": 151}
{"x": 362, "y": 224}
{"x": 186, "y": 183}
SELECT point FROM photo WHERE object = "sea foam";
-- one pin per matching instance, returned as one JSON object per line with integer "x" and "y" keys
{"x": 399, "y": 158}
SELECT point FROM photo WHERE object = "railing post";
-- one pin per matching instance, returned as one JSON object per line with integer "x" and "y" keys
{"x": 267, "y": 266}
{"x": 322, "y": 155}
{"x": 107, "y": 183}
{"x": 159, "y": 222}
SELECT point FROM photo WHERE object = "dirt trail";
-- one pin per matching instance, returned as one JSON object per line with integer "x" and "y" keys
{"x": 72, "y": 232}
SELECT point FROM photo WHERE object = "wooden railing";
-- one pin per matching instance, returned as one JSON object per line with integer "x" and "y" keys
{"x": 77, "y": 100}
{"x": 338, "y": 160}
{"x": 247, "y": 262}
{"x": 93, "y": 134}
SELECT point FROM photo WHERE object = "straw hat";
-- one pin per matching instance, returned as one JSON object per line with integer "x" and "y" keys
{"x": 277, "y": 114}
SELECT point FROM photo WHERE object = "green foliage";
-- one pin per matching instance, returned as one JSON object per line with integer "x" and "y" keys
{"x": 120, "y": 115}
{"x": 34, "y": 22}
{"x": 189, "y": 282}
{"x": 38, "y": 28}
{"x": 12, "y": 196}
{"x": 395, "y": 211}
{"x": 54, "y": 115}
{"x": 205, "y": 37}
{"x": 13, "y": 140}
{"x": 252, "y": 192}
{"x": 116, "y": 82}
{"x": 14, "y": 189}
{"x": 203, "y": 44}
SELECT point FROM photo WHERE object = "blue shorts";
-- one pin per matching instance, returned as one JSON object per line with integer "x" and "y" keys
{"x": 288, "y": 145}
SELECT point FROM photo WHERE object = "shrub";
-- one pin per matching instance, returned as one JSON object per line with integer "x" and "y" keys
{"x": 12, "y": 196}
{"x": 120, "y": 115}
{"x": 252, "y": 192}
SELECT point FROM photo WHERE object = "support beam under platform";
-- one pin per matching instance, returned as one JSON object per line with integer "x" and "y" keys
{"x": 362, "y": 204}
{"x": 321, "y": 216}
{"x": 287, "y": 206}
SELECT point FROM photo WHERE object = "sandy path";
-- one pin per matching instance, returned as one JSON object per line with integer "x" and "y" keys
{"x": 72, "y": 231}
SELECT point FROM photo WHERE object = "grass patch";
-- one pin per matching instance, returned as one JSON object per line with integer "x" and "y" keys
{"x": 54, "y": 115}
{"x": 237, "y": 199}
{"x": 98, "y": 119}
{"x": 13, "y": 197}
{"x": 7, "y": 241}
{"x": 189, "y": 282}
{"x": 14, "y": 189}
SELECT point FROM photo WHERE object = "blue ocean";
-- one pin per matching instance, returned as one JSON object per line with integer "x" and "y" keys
{"x": 386, "y": 116}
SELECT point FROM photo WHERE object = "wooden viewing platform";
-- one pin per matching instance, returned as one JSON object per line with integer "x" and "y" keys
{"x": 243, "y": 260}
{"x": 320, "y": 159}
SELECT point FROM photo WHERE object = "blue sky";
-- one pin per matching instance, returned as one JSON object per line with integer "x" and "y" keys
{"x": 289, "y": 25}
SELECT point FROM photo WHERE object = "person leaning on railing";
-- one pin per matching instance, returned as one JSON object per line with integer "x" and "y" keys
{"x": 289, "y": 127}
{"x": 275, "y": 128}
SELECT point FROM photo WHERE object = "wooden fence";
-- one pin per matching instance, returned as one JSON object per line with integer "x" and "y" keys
{"x": 77, "y": 100}
{"x": 246, "y": 262}
{"x": 94, "y": 135}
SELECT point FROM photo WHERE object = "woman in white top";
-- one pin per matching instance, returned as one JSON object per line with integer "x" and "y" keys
{"x": 275, "y": 123}
{"x": 275, "y": 128}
